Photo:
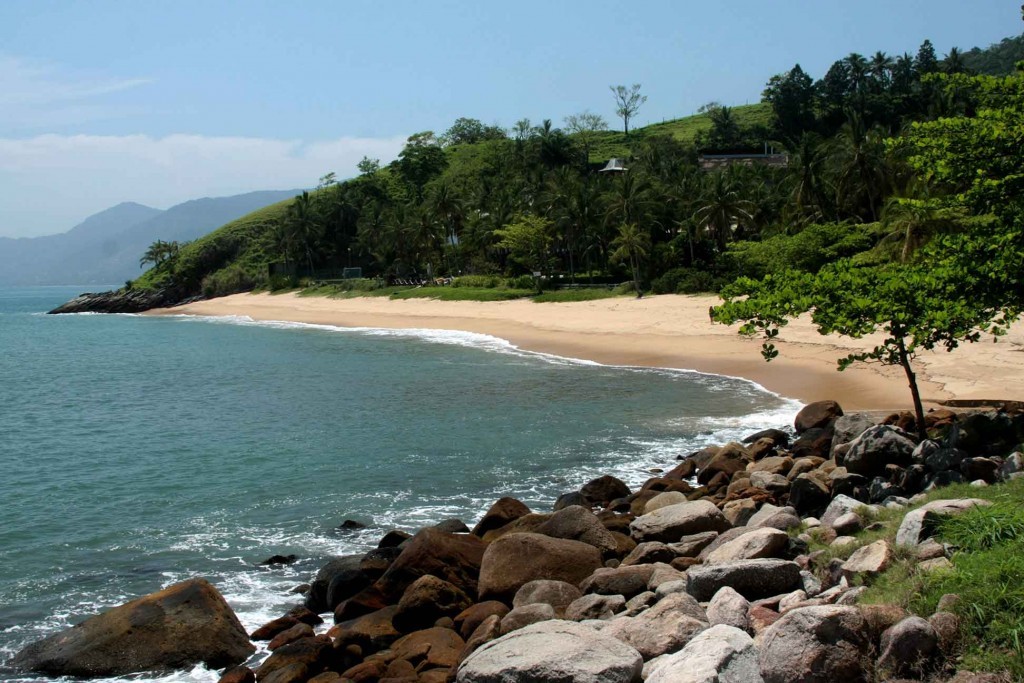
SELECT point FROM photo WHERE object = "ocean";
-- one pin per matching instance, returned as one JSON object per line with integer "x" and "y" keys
{"x": 139, "y": 451}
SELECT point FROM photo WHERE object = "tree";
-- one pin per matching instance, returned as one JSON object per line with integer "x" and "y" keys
{"x": 529, "y": 239}
{"x": 721, "y": 208}
{"x": 791, "y": 96}
{"x": 159, "y": 252}
{"x": 469, "y": 131}
{"x": 627, "y": 102}
{"x": 631, "y": 245}
{"x": 586, "y": 128}
{"x": 368, "y": 166}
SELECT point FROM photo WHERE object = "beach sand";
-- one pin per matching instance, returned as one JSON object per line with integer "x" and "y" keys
{"x": 667, "y": 331}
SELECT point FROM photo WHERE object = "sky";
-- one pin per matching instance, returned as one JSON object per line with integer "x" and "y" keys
{"x": 160, "y": 102}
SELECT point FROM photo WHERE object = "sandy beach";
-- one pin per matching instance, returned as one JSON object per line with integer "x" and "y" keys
{"x": 667, "y": 331}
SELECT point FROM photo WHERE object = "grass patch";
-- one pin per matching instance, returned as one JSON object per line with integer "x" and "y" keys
{"x": 987, "y": 574}
{"x": 461, "y": 293}
{"x": 564, "y": 295}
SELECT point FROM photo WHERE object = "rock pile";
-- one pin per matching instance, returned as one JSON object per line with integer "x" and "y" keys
{"x": 702, "y": 574}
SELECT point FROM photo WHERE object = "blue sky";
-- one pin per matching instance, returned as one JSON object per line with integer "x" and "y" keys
{"x": 161, "y": 102}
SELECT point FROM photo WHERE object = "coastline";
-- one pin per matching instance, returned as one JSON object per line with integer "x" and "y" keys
{"x": 671, "y": 331}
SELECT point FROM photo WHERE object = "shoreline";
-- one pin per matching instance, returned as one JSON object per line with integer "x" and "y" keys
{"x": 667, "y": 331}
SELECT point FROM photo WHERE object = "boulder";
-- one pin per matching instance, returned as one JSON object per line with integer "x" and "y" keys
{"x": 670, "y": 524}
{"x": 595, "y": 606}
{"x": 425, "y": 601}
{"x": 822, "y": 644}
{"x": 720, "y": 654}
{"x": 178, "y": 627}
{"x": 394, "y": 538}
{"x": 503, "y": 511}
{"x": 489, "y": 629}
{"x": 626, "y": 581}
{"x": 848, "y": 427}
{"x": 739, "y": 512}
{"x": 646, "y": 553}
{"x": 752, "y": 545}
{"x": 816, "y": 415}
{"x": 552, "y": 651}
{"x": 469, "y": 619}
{"x": 908, "y": 648}
{"x": 692, "y": 545}
{"x": 777, "y": 464}
{"x": 868, "y": 561}
{"x": 664, "y": 499}
{"x": 557, "y": 594}
{"x": 848, "y": 524}
{"x": 753, "y": 579}
{"x": 430, "y": 648}
{"x": 577, "y": 523}
{"x": 840, "y": 505}
{"x": 877, "y": 447}
{"x": 808, "y": 493}
{"x": 273, "y": 627}
{"x": 730, "y": 459}
{"x": 455, "y": 558}
{"x": 296, "y": 662}
{"x": 771, "y": 516}
{"x": 296, "y": 632}
{"x": 730, "y": 608}
{"x": 237, "y": 674}
{"x": 604, "y": 490}
{"x": 377, "y": 561}
{"x": 372, "y": 632}
{"x": 516, "y": 559}
{"x": 339, "y": 570}
{"x": 523, "y": 616}
{"x": 567, "y": 499}
{"x": 662, "y": 629}
{"x": 919, "y": 524}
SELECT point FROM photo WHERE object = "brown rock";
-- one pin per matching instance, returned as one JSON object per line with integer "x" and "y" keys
{"x": 174, "y": 628}
{"x": 430, "y": 648}
{"x": 603, "y": 490}
{"x": 370, "y": 671}
{"x": 816, "y": 415}
{"x": 290, "y": 636}
{"x": 868, "y": 561}
{"x": 739, "y": 512}
{"x": 238, "y": 674}
{"x": 772, "y": 465}
{"x": 468, "y": 621}
{"x": 760, "y": 618}
{"x": 822, "y": 644}
{"x": 297, "y": 661}
{"x": 272, "y": 628}
{"x": 526, "y": 523}
{"x": 947, "y": 629}
{"x": 879, "y": 618}
{"x": 372, "y": 632}
{"x": 486, "y": 631}
{"x": 455, "y": 558}
{"x": 425, "y": 601}
{"x": 503, "y": 511}
{"x": 576, "y": 523}
{"x": 625, "y": 581}
{"x": 516, "y": 559}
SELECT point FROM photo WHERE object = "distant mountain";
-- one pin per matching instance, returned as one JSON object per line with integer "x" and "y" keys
{"x": 104, "y": 249}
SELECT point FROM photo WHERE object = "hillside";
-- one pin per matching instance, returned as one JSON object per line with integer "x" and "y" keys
{"x": 105, "y": 248}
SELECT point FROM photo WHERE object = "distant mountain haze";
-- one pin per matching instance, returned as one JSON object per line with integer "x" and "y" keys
{"x": 105, "y": 248}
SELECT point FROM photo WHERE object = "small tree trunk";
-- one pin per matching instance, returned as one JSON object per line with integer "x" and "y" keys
{"x": 922, "y": 433}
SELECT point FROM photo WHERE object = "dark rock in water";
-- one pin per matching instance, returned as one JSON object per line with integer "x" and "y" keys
{"x": 273, "y": 627}
{"x": 452, "y": 526}
{"x": 278, "y": 560}
{"x": 345, "y": 584}
{"x": 301, "y": 589}
{"x": 394, "y": 538}
{"x": 569, "y": 499}
{"x": 178, "y": 627}
{"x": 351, "y": 525}
{"x": 305, "y": 615}
{"x": 778, "y": 437}
{"x": 121, "y": 301}
{"x": 816, "y": 415}
{"x": 815, "y": 442}
{"x": 604, "y": 490}
{"x": 316, "y": 598}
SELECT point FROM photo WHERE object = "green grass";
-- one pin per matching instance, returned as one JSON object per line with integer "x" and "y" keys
{"x": 987, "y": 574}
{"x": 564, "y": 295}
{"x": 616, "y": 144}
{"x": 462, "y": 294}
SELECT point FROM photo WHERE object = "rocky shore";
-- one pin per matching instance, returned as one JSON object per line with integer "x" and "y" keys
{"x": 703, "y": 574}
{"x": 124, "y": 301}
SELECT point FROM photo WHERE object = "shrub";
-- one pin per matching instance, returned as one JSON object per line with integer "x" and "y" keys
{"x": 230, "y": 280}
{"x": 478, "y": 281}
{"x": 522, "y": 282}
{"x": 686, "y": 281}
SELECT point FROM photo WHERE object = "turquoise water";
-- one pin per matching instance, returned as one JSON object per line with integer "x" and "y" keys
{"x": 137, "y": 451}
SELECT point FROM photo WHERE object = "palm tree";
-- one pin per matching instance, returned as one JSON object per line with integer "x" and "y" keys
{"x": 721, "y": 208}
{"x": 880, "y": 69}
{"x": 861, "y": 168}
{"x": 159, "y": 252}
{"x": 450, "y": 209}
{"x": 808, "y": 193}
{"x": 302, "y": 227}
{"x": 631, "y": 244}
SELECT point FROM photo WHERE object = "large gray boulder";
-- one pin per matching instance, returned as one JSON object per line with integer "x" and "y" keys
{"x": 577, "y": 523}
{"x": 752, "y": 545}
{"x": 840, "y": 505}
{"x": 919, "y": 524}
{"x": 552, "y": 651}
{"x": 662, "y": 629}
{"x": 848, "y": 427}
{"x": 877, "y": 447}
{"x": 753, "y": 579}
{"x": 721, "y": 654}
{"x": 821, "y": 644}
{"x": 558, "y": 594}
{"x": 729, "y": 608}
{"x": 183, "y": 625}
{"x": 669, "y": 524}
{"x": 908, "y": 648}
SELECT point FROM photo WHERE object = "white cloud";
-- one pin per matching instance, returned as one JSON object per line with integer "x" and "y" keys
{"x": 49, "y": 183}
